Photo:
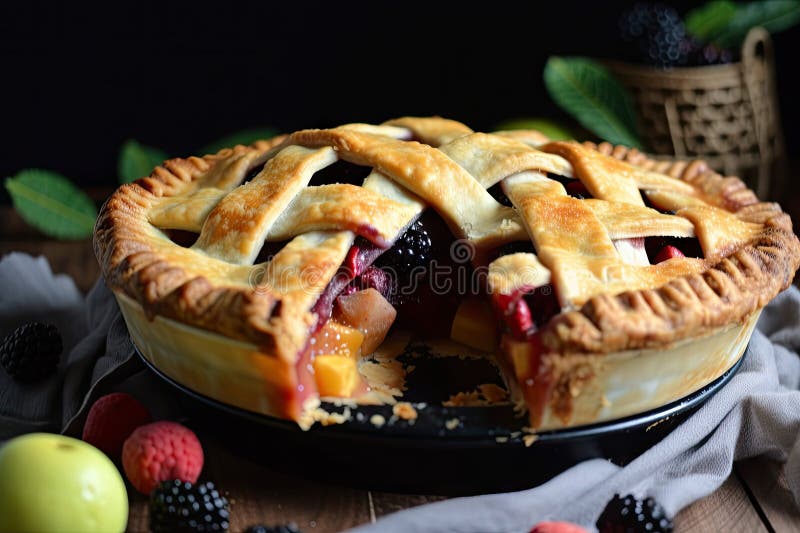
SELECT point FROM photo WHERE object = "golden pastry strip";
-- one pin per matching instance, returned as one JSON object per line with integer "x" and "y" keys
{"x": 306, "y": 264}
{"x": 229, "y": 173}
{"x": 604, "y": 177}
{"x": 466, "y": 206}
{"x": 718, "y": 231}
{"x": 490, "y": 158}
{"x": 343, "y": 206}
{"x": 185, "y": 212}
{"x": 434, "y": 131}
{"x": 573, "y": 242}
{"x": 624, "y": 221}
{"x": 236, "y": 228}
{"x": 514, "y": 271}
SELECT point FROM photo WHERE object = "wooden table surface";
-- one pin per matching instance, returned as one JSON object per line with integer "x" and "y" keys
{"x": 754, "y": 498}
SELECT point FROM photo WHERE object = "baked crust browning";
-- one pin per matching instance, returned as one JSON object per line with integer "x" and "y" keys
{"x": 750, "y": 250}
{"x": 738, "y": 279}
{"x": 163, "y": 277}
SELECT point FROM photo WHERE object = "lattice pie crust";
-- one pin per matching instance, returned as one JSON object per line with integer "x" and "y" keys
{"x": 611, "y": 298}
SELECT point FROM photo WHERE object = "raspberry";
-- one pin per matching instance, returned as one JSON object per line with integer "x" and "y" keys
{"x": 630, "y": 515}
{"x": 667, "y": 252}
{"x": 161, "y": 451}
{"x": 177, "y": 506}
{"x": 527, "y": 309}
{"x": 111, "y": 420}
{"x": 375, "y": 278}
{"x": 516, "y": 314}
{"x": 557, "y": 527}
{"x": 31, "y": 352}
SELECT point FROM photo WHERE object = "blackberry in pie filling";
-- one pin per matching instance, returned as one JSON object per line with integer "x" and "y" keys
{"x": 411, "y": 251}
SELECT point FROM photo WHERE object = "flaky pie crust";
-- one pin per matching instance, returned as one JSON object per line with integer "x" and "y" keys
{"x": 431, "y": 161}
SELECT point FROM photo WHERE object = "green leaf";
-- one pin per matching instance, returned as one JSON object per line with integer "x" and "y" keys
{"x": 136, "y": 161}
{"x": 551, "y": 128}
{"x": 51, "y": 203}
{"x": 708, "y": 21}
{"x": 245, "y": 137}
{"x": 772, "y": 15}
{"x": 588, "y": 92}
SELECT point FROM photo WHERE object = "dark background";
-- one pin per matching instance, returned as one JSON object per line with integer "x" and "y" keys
{"x": 78, "y": 80}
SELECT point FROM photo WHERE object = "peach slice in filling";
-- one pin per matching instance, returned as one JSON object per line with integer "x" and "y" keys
{"x": 360, "y": 323}
{"x": 369, "y": 312}
{"x": 331, "y": 358}
{"x": 336, "y": 375}
{"x": 474, "y": 325}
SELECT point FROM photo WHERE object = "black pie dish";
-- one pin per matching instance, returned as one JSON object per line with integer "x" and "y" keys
{"x": 485, "y": 451}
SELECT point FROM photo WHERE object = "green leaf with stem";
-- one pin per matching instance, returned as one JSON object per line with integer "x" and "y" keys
{"x": 51, "y": 203}
{"x": 587, "y": 91}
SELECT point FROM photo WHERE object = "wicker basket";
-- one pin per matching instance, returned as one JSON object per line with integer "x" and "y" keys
{"x": 725, "y": 114}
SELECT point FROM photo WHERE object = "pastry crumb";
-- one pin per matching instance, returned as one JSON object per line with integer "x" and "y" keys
{"x": 377, "y": 420}
{"x": 485, "y": 394}
{"x": 501, "y": 440}
{"x": 463, "y": 399}
{"x": 405, "y": 411}
{"x": 384, "y": 376}
{"x": 493, "y": 393}
{"x": 328, "y": 419}
{"x": 529, "y": 439}
{"x": 452, "y": 424}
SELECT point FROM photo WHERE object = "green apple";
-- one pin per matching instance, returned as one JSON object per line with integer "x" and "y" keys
{"x": 551, "y": 128}
{"x": 54, "y": 483}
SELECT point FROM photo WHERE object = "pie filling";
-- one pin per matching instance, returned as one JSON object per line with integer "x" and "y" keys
{"x": 307, "y": 250}
{"x": 413, "y": 285}
{"x": 425, "y": 284}
{"x": 422, "y": 284}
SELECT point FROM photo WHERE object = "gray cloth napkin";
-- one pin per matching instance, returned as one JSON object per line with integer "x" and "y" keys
{"x": 757, "y": 412}
{"x": 98, "y": 355}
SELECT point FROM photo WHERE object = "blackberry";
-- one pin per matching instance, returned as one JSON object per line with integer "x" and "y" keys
{"x": 31, "y": 352}
{"x": 179, "y": 506}
{"x": 626, "y": 514}
{"x": 287, "y": 528}
{"x": 412, "y": 249}
{"x": 634, "y": 23}
{"x": 657, "y": 33}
